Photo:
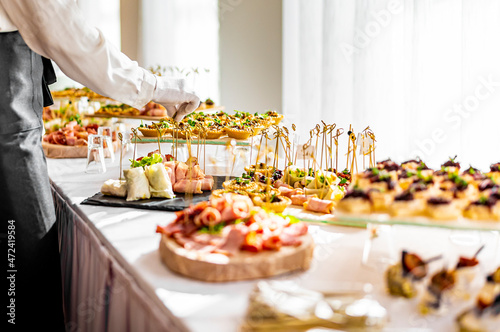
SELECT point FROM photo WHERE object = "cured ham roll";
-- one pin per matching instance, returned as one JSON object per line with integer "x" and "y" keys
{"x": 301, "y": 199}
{"x": 319, "y": 205}
{"x": 159, "y": 181}
{"x": 137, "y": 184}
{"x": 207, "y": 183}
{"x": 289, "y": 192}
{"x": 188, "y": 186}
{"x": 116, "y": 188}
{"x": 181, "y": 170}
{"x": 171, "y": 165}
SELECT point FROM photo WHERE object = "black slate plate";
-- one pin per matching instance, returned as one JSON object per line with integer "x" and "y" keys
{"x": 180, "y": 202}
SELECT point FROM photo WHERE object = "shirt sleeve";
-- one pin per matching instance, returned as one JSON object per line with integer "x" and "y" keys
{"x": 57, "y": 30}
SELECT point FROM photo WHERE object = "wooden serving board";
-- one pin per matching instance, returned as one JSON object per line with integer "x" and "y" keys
{"x": 246, "y": 265}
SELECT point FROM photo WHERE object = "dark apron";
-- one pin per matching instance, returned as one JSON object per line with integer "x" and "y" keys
{"x": 25, "y": 194}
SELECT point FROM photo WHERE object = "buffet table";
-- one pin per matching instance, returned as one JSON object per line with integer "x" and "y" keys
{"x": 114, "y": 279}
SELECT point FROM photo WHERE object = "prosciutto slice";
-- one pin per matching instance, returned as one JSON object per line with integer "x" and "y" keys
{"x": 232, "y": 242}
{"x": 207, "y": 183}
{"x": 188, "y": 187}
{"x": 300, "y": 199}
{"x": 319, "y": 205}
{"x": 181, "y": 170}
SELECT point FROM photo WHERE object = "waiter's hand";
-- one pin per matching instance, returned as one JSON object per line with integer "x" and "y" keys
{"x": 170, "y": 93}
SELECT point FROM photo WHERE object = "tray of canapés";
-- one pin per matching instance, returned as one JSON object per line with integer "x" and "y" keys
{"x": 151, "y": 111}
{"x": 220, "y": 126}
{"x": 389, "y": 193}
{"x": 385, "y": 192}
{"x": 76, "y": 93}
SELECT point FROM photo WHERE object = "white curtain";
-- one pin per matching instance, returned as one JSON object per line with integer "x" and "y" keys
{"x": 423, "y": 74}
{"x": 183, "y": 35}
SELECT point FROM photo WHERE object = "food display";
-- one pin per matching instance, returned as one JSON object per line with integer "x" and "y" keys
{"x": 228, "y": 238}
{"x": 411, "y": 189}
{"x": 158, "y": 176}
{"x": 151, "y": 109}
{"x": 71, "y": 140}
{"x": 401, "y": 278}
{"x": 74, "y": 93}
{"x": 286, "y": 306}
{"x": 485, "y": 314}
{"x": 240, "y": 126}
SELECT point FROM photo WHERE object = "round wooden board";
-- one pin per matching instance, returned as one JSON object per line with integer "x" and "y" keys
{"x": 246, "y": 265}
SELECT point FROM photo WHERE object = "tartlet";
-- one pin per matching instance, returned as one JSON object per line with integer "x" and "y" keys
{"x": 274, "y": 203}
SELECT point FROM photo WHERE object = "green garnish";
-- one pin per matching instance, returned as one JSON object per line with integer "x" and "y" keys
{"x": 215, "y": 229}
{"x": 147, "y": 161}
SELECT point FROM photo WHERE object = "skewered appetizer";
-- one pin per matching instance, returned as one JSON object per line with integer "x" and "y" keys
{"x": 401, "y": 277}
{"x": 437, "y": 293}
{"x": 484, "y": 316}
{"x": 466, "y": 273}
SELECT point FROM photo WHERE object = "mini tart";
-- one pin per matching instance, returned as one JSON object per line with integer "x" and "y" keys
{"x": 219, "y": 192}
{"x": 238, "y": 133}
{"x": 262, "y": 193}
{"x": 214, "y": 134}
{"x": 276, "y": 117}
{"x": 233, "y": 185}
{"x": 267, "y": 171}
{"x": 276, "y": 207}
{"x": 148, "y": 132}
{"x": 256, "y": 129}
{"x": 442, "y": 209}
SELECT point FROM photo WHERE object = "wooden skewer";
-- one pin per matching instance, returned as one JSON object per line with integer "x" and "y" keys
{"x": 120, "y": 137}
{"x": 158, "y": 132}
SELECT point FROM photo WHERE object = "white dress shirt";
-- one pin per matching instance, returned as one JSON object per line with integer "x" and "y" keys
{"x": 57, "y": 30}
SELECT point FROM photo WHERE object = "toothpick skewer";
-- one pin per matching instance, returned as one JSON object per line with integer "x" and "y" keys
{"x": 158, "y": 132}
{"x": 294, "y": 146}
{"x": 120, "y": 137}
{"x": 348, "y": 147}
{"x": 134, "y": 131}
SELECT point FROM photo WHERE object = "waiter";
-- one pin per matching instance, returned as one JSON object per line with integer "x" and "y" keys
{"x": 54, "y": 29}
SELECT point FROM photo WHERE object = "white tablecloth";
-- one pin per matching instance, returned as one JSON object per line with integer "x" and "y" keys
{"x": 114, "y": 279}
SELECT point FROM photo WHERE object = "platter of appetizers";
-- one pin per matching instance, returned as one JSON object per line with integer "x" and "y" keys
{"x": 228, "y": 238}
{"x": 76, "y": 93}
{"x": 70, "y": 140}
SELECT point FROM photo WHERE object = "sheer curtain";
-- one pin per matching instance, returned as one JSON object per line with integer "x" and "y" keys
{"x": 423, "y": 74}
{"x": 183, "y": 34}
